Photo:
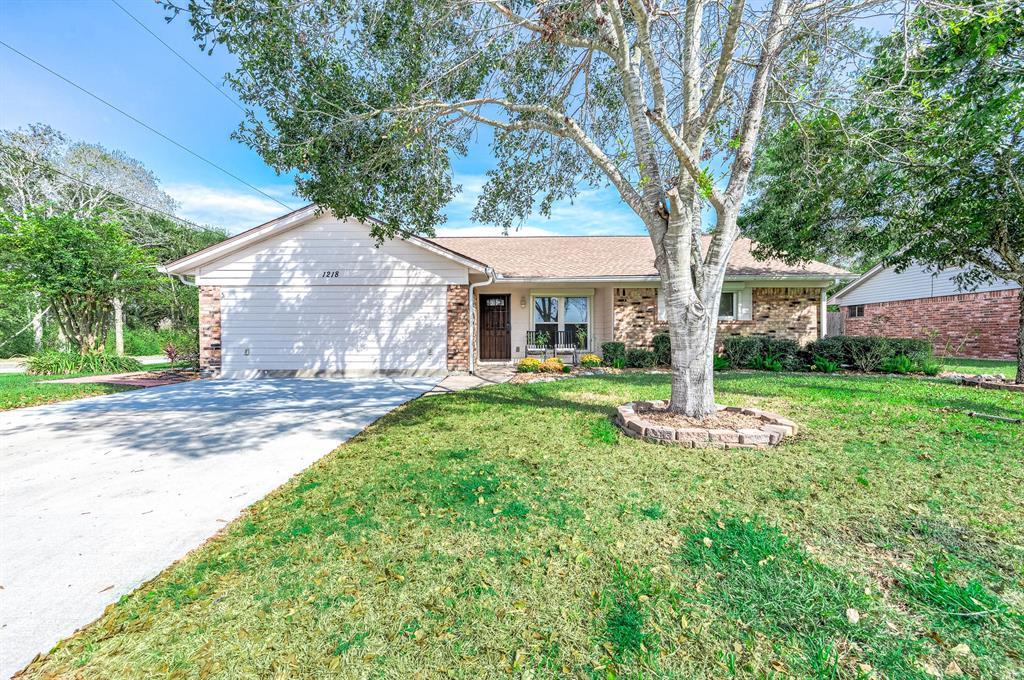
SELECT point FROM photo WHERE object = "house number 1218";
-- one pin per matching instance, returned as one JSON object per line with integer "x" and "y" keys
{"x": 330, "y": 275}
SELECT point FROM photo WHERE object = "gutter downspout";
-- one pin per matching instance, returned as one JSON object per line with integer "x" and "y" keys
{"x": 472, "y": 316}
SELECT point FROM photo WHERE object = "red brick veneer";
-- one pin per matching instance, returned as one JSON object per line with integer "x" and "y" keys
{"x": 458, "y": 328}
{"x": 984, "y": 323}
{"x": 209, "y": 330}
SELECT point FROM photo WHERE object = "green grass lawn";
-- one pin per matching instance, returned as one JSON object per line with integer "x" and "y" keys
{"x": 979, "y": 366}
{"x": 511, "y": 532}
{"x": 19, "y": 389}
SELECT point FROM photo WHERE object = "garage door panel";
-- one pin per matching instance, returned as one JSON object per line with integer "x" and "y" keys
{"x": 334, "y": 329}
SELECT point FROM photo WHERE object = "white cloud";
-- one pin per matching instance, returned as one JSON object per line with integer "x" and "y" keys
{"x": 232, "y": 210}
{"x": 594, "y": 211}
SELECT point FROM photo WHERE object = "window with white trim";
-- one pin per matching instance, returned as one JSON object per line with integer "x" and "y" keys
{"x": 553, "y": 313}
{"x": 727, "y": 305}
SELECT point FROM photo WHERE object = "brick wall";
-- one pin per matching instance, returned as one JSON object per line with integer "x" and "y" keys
{"x": 636, "y": 316}
{"x": 790, "y": 313}
{"x": 978, "y": 325}
{"x": 458, "y": 328}
{"x": 209, "y": 330}
{"x": 779, "y": 312}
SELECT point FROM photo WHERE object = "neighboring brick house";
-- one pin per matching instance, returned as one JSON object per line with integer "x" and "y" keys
{"x": 308, "y": 294}
{"x": 918, "y": 303}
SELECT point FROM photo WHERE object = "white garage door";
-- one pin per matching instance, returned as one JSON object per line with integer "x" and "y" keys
{"x": 333, "y": 330}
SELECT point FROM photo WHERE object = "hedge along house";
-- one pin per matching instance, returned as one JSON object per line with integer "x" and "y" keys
{"x": 308, "y": 294}
{"x": 917, "y": 302}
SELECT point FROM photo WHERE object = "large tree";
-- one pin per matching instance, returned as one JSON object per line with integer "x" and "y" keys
{"x": 42, "y": 172}
{"x": 369, "y": 100}
{"x": 77, "y": 265}
{"x": 924, "y": 163}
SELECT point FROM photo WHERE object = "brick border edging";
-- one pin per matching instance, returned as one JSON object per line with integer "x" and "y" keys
{"x": 989, "y": 384}
{"x": 772, "y": 432}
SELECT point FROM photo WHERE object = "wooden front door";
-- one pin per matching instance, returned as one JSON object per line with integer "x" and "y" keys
{"x": 495, "y": 328}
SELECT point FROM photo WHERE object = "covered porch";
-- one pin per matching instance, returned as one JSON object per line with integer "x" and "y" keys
{"x": 518, "y": 320}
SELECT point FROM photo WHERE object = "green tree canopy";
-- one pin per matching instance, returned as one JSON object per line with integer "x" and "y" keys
{"x": 76, "y": 265}
{"x": 926, "y": 165}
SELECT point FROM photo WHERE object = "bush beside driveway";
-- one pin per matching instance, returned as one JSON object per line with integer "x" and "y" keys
{"x": 512, "y": 530}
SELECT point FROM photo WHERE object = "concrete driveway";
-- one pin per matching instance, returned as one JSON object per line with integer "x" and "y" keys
{"x": 99, "y": 495}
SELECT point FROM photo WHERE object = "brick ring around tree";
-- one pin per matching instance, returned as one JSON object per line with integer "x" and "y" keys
{"x": 770, "y": 430}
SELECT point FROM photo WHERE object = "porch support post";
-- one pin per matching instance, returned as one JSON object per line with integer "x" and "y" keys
{"x": 824, "y": 313}
{"x": 472, "y": 317}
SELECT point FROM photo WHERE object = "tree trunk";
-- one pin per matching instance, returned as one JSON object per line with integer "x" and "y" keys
{"x": 118, "y": 326}
{"x": 693, "y": 344}
{"x": 1020, "y": 341}
{"x": 691, "y": 293}
{"x": 37, "y": 329}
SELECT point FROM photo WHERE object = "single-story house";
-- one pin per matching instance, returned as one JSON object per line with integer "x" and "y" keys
{"x": 308, "y": 294}
{"x": 980, "y": 323}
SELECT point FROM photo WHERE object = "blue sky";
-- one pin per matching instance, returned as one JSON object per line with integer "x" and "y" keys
{"x": 93, "y": 43}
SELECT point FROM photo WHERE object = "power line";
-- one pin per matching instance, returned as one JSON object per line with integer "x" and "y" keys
{"x": 53, "y": 168}
{"x": 145, "y": 125}
{"x": 179, "y": 56}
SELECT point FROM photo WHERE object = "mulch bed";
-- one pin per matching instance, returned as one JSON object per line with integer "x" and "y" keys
{"x": 167, "y": 376}
{"x": 722, "y": 420}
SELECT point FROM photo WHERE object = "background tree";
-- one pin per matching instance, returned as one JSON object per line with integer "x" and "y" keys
{"x": 77, "y": 265}
{"x": 925, "y": 164}
{"x": 368, "y": 101}
{"x": 42, "y": 172}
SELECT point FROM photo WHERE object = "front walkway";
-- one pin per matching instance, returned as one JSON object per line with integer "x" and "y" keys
{"x": 101, "y": 494}
{"x": 485, "y": 375}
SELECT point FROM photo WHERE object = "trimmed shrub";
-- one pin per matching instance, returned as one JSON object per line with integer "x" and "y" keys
{"x": 67, "y": 363}
{"x": 641, "y": 358}
{"x": 830, "y": 348}
{"x": 613, "y": 351}
{"x": 590, "y": 360}
{"x": 663, "y": 349}
{"x": 867, "y": 352}
{"x": 742, "y": 350}
{"x": 528, "y": 365}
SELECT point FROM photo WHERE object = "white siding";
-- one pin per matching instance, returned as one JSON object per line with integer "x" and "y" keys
{"x": 378, "y": 310}
{"x": 911, "y": 284}
{"x": 300, "y": 257}
{"x": 350, "y": 330}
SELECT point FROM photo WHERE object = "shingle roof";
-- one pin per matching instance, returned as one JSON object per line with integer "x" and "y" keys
{"x": 566, "y": 257}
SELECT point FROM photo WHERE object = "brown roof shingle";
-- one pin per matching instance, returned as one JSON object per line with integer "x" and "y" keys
{"x": 567, "y": 257}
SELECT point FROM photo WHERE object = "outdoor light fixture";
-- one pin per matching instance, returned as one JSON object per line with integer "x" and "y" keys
{"x": 522, "y": 302}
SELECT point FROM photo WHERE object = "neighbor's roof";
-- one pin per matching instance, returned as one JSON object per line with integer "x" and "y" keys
{"x": 567, "y": 257}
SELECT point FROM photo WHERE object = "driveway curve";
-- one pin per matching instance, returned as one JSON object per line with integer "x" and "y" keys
{"x": 99, "y": 495}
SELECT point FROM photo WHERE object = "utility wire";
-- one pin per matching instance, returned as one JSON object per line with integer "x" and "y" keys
{"x": 53, "y": 168}
{"x": 145, "y": 125}
{"x": 179, "y": 56}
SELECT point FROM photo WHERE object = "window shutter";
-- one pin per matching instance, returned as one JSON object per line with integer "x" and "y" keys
{"x": 744, "y": 304}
